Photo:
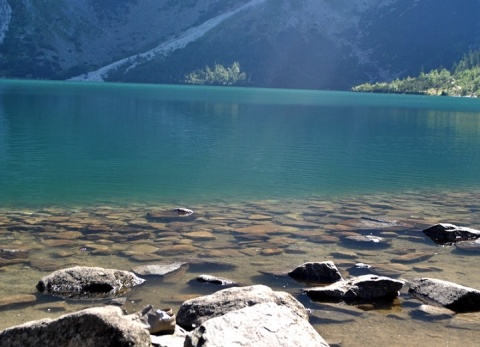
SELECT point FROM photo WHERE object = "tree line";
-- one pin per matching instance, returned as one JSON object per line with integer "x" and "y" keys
{"x": 219, "y": 75}
{"x": 462, "y": 80}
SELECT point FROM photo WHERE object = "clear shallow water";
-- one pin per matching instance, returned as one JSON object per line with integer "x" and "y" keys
{"x": 75, "y": 157}
{"x": 80, "y": 143}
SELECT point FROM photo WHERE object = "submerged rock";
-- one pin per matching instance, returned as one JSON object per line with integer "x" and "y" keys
{"x": 83, "y": 282}
{"x": 316, "y": 272}
{"x": 367, "y": 241}
{"x": 429, "y": 312}
{"x": 453, "y": 296}
{"x": 444, "y": 233}
{"x": 175, "y": 215}
{"x": 366, "y": 287}
{"x": 195, "y": 311}
{"x": 469, "y": 247}
{"x": 262, "y": 325}
{"x": 93, "y": 327}
{"x": 159, "y": 269}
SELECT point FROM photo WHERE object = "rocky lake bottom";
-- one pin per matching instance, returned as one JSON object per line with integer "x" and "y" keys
{"x": 253, "y": 242}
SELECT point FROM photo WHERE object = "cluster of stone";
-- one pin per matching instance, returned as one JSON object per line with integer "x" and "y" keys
{"x": 251, "y": 316}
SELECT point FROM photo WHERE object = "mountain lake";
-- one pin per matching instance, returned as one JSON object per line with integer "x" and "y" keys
{"x": 275, "y": 178}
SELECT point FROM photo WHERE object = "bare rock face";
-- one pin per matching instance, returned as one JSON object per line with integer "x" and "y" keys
{"x": 453, "y": 296}
{"x": 100, "y": 326}
{"x": 195, "y": 311}
{"x": 261, "y": 325}
{"x": 367, "y": 287}
{"x": 321, "y": 272}
{"x": 445, "y": 233}
{"x": 83, "y": 282}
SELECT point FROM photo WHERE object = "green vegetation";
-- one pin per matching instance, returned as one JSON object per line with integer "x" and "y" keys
{"x": 220, "y": 76}
{"x": 462, "y": 80}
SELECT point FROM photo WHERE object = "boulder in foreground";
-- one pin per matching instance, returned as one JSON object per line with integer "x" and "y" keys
{"x": 453, "y": 296}
{"x": 81, "y": 282}
{"x": 261, "y": 325}
{"x": 361, "y": 288}
{"x": 195, "y": 311}
{"x": 93, "y": 327}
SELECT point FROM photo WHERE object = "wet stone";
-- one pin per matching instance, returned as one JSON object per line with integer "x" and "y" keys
{"x": 444, "y": 233}
{"x": 316, "y": 272}
{"x": 209, "y": 279}
{"x": 367, "y": 287}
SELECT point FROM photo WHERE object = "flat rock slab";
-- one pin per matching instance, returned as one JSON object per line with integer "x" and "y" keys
{"x": 453, "y": 296}
{"x": 444, "y": 233}
{"x": 262, "y": 325}
{"x": 195, "y": 311}
{"x": 158, "y": 269}
{"x": 100, "y": 326}
{"x": 83, "y": 282}
{"x": 316, "y": 272}
{"x": 361, "y": 288}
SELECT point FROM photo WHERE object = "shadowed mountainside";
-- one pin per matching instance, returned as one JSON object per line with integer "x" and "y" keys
{"x": 320, "y": 44}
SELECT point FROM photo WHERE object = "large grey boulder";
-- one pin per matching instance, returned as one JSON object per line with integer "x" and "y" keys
{"x": 262, "y": 325}
{"x": 453, "y": 296}
{"x": 366, "y": 287}
{"x": 99, "y": 326}
{"x": 316, "y": 272}
{"x": 195, "y": 311}
{"x": 444, "y": 233}
{"x": 83, "y": 282}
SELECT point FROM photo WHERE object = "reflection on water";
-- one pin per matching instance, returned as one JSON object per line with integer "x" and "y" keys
{"x": 69, "y": 143}
{"x": 252, "y": 242}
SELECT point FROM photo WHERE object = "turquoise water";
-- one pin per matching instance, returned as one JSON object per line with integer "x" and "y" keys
{"x": 82, "y": 143}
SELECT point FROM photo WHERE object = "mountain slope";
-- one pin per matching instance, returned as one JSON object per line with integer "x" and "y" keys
{"x": 323, "y": 44}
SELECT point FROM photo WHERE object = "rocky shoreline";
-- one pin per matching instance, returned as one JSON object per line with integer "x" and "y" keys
{"x": 236, "y": 316}
{"x": 182, "y": 256}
